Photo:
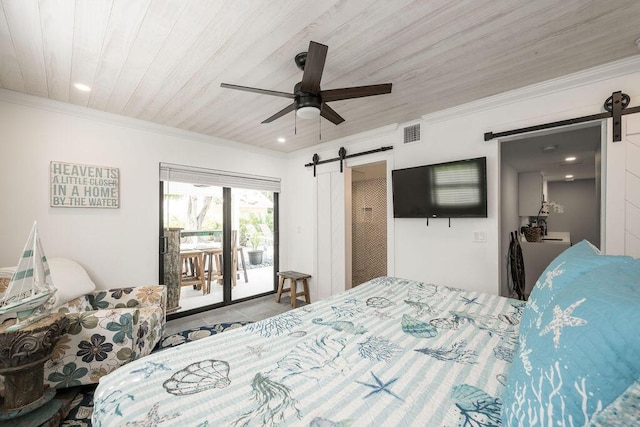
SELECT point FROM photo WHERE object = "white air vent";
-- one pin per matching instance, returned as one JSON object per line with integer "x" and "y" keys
{"x": 412, "y": 133}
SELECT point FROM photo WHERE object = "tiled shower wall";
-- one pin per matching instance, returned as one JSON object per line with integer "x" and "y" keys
{"x": 369, "y": 230}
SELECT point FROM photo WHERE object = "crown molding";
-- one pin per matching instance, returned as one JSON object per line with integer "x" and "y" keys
{"x": 36, "y": 102}
{"x": 611, "y": 70}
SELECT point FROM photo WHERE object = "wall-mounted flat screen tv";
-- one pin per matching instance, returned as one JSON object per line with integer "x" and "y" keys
{"x": 444, "y": 190}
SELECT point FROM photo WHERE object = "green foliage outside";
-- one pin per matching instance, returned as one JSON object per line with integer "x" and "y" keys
{"x": 251, "y": 233}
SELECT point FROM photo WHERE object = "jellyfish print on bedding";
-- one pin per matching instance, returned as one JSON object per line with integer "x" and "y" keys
{"x": 314, "y": 359}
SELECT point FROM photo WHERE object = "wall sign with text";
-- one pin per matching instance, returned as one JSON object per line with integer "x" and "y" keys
{"x": 84, "y": 186}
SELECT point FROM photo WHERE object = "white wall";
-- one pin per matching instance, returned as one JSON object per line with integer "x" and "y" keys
{"x": 415, "y": 251}
{"x": 580, "y": 217}
{"x": 439, "y": 254}
{"x": 117, "y": 246}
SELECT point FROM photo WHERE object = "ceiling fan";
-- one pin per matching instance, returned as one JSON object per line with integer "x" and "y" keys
{"x": 308, "y": 100}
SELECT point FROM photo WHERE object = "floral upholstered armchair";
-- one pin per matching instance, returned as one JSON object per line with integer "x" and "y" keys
{"x": 107, "y": 329}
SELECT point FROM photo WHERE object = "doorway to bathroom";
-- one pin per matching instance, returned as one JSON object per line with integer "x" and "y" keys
{"x": 368, "y": 237}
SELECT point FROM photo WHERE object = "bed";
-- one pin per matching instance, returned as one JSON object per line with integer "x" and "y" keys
{"x": 388, "y": 352}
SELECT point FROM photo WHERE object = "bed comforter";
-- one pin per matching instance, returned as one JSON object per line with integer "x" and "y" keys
{"x": 388, "y": 352}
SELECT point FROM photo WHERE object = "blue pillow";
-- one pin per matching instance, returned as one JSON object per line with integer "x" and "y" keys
{"x": 624, "y": 411}
{"x": 584, "y": 353}
{"x": 565, "y": 268}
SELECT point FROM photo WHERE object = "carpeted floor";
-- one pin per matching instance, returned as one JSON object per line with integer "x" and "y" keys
{"x": 82, "y": 404}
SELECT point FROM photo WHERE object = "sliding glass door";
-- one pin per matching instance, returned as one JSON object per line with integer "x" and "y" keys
{"x": 197, "y": 211}
{"x": 253, "y": 248}
{"x": 225, "y": 237}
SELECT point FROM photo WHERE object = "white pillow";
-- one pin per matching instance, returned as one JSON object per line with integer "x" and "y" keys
{"x": 70, "y": 279}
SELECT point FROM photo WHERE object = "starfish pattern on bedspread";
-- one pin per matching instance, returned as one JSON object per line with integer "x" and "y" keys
{"x": 548, "y": 280}
{"x": 469, "y": 300}
{"x": 562, "y": 318}
{"x": 379, "y": 386}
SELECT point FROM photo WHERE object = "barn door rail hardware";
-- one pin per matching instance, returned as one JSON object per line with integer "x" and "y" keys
{"x": 616, "y": 106}
{"x": 342, "y": 156}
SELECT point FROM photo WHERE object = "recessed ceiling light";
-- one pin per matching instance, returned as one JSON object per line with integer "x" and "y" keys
{"x": 570, "y": 159}
{"x": 638, "y": 42}
{"x": 568, "y": 176}
{"x": 549, "y": 147}
{"x": 281, "y": 140}
{"x": 82, "y": 87}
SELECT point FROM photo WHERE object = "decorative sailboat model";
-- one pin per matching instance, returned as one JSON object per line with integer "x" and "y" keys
{"x": 30, "y": 293}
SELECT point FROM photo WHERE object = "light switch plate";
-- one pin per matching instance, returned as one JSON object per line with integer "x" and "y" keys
{"x": 480, "y": 236}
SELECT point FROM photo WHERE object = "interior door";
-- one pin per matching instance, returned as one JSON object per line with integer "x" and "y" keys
{"x": 331, "y": 231}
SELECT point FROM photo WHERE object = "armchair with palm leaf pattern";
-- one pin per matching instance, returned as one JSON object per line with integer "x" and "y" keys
{"x": 107, "y": 329}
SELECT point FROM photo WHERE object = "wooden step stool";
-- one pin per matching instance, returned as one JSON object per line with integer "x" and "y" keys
{"x": 293, "y": 277}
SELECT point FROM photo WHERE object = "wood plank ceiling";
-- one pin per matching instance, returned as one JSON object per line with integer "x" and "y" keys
{"x": 163, "y": 60}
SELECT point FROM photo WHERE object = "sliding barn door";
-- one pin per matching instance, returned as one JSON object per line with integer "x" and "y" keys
{"x": 331, "y": 233}
{"x": 623, "y": 190}
{"x": 632, "y": 187}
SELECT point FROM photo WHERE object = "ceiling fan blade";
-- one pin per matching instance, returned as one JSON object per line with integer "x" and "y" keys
{"x": 330, "y": 114}
{"x": 256, "y": 90}
{"x": 355, "y": 92}
{"x": 289, "y": 108}
{"x": 316, "y": 55}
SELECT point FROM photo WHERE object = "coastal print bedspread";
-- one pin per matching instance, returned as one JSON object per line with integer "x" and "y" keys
{"x": 388, "y": 352}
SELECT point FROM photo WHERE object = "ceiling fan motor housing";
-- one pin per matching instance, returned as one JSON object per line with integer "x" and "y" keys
{"x": 306, "y": 99}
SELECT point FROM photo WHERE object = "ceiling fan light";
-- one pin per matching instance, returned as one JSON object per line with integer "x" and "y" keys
{"x": 308, "y": 112}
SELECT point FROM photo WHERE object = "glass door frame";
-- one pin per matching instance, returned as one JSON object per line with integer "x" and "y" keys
{"x": 226, "y": 253}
